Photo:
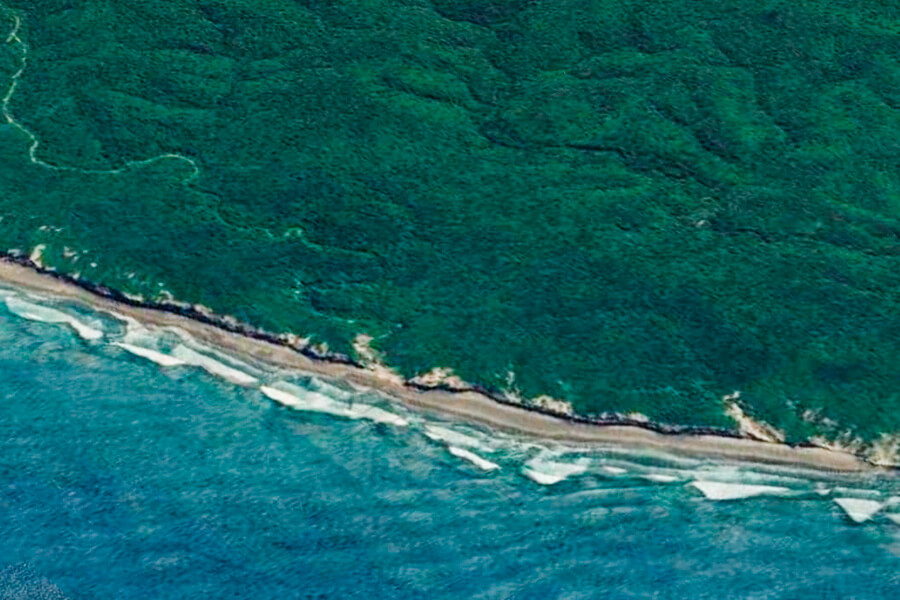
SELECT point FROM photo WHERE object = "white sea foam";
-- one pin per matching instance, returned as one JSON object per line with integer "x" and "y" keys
{"x": 660, "y": 478}
{"x": 894, "y": 517}
{"x": 130, "y": 322}
{"x": 443, "y": 434}
{"x": 473, "y": 458}
{"x": 45, "y": 314}
{"x": 614, "y": 470}
{"x": 212, "y": 366}
{"x": 857, "y": 492}
{"x": 717, "y": 490}
{"x": 373, "y": 413}
{"x": 541, "y": 478}
{"x": 549, "y": 472}
{"x": 283, "y": 397}
{"x": 822, "y": 490}
{"x": 141, "y": 336}
{"x": 330, "y": 390}
{"x": 859, "y": 510}
{"x": 158, "y": 357}
{"x": 301, "y": 399}
{"x": 743, "y": 475}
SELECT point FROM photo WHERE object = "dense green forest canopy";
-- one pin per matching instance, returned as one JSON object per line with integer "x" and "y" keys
{"x": 631, "y": 205}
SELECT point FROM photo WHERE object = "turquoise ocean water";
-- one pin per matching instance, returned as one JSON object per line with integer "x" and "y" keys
{"x": 124, "y": 478}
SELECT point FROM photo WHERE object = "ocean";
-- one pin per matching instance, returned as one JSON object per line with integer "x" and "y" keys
{"x": 140, "y": 464}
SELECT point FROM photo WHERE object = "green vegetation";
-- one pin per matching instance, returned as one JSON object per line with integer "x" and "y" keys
{"x": 632, "y": 205}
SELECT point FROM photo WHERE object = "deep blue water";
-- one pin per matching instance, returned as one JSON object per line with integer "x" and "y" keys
{"x": 122, "y": 479}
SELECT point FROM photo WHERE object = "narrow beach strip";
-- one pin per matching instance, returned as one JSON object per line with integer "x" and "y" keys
{"x": 467, "y": 406}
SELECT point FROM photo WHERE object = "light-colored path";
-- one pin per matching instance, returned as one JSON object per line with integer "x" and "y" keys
{"x": 13, "y": 38}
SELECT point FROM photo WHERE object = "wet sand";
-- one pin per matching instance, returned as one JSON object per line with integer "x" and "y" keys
{"x": 467, "y": 406}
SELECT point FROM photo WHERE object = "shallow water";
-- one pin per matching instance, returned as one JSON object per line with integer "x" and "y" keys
{"x": 122, "y": 478}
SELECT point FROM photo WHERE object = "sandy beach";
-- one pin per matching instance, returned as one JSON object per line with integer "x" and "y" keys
{"x": 467, "y": 406}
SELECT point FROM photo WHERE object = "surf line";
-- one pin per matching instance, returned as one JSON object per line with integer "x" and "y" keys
{"x": 472, "y": 405}
{"x": 16, "y": 40}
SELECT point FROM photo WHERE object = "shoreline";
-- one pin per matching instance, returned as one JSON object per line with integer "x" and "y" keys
{"x": 471, "y": 405}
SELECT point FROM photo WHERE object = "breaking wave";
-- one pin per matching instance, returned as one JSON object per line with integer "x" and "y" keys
{"x": 213, "y": 366}
{"x": 306, "y": 400}
{"x": 45, "y": 314}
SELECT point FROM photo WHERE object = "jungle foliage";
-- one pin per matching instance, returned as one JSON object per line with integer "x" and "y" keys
{"x": 632, "y": 205}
